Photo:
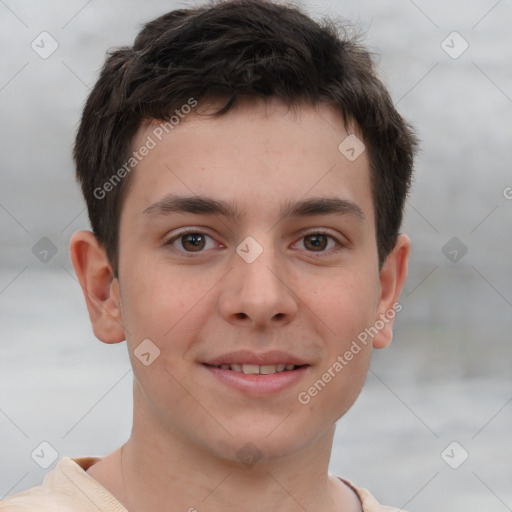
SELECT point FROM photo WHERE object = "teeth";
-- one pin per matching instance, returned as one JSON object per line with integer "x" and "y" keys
{"x": 250, "y": 369}
{"x": 254, "y": 369}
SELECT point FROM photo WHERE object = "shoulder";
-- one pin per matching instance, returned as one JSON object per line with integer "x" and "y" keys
{"x": 368, "y": 501}
{"x": 38, "y": 498}
{"x": 66, "y": 488}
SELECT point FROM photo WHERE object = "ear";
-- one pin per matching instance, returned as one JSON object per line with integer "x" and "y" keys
{"x": 392, "y": 279}
{"x": 100, "y": 287}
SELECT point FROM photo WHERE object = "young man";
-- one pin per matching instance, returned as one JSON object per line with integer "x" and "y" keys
{"x": 245, "y": 174}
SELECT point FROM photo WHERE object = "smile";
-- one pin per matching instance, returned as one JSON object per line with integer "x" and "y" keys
{"x": 255, "y": 369}
{"x": 257, "y": 380}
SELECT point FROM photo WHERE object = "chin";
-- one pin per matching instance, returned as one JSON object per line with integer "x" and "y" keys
{"x": 253, "y": 445}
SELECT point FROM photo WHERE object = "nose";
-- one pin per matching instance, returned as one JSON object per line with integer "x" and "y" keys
{"x": 257, "y": 294}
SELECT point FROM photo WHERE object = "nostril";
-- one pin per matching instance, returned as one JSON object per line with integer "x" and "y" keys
{"x": 241, "y": 315}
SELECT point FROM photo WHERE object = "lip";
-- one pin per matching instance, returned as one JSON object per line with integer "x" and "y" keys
{"x": 257, "y": 385}
{"x": 249, "y": 357}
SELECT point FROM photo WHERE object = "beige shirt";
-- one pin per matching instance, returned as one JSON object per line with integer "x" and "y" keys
{"x": 68, "y": 488}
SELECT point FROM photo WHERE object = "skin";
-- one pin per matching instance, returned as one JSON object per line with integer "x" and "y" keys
{"x": 306, "y": 300}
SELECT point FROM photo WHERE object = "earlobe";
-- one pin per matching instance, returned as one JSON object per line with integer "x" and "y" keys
{"x": 100, "y": 287}
{"x": 392, "y": 278}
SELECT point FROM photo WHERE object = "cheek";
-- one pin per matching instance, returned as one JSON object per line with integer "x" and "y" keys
{"x": 163, "y": 309}
{"x": 335, "y": 384}
{"x": 345, "y": 307}
{"x": 165, "y": 306}
{"x": 333, "y": 392}
{"x": 346, "y": 303}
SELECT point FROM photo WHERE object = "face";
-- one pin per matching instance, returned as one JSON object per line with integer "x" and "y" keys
{"x": 248, "y": 258}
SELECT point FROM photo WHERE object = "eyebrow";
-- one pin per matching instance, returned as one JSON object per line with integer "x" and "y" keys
{"x": 192, "y": 204}
{"x": 203, "y": 205}
{"x": 322, "y": 206}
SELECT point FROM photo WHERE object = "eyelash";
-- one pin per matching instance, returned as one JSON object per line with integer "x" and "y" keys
{"x": 339, "y": 244}
{"x": 191, "y": 254}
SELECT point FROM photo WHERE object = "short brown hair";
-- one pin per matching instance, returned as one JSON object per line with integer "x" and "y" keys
{"x": 230, "y": 50}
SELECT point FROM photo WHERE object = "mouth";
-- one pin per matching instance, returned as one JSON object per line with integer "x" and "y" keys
{"x": 256, "y": 374}
{"x": 255, "y": 369}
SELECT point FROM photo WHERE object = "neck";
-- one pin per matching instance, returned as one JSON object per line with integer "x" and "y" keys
{"x": 161, "y": 468}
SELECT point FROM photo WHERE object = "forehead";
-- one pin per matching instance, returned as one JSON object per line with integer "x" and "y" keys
{"x": 259, "y": 156}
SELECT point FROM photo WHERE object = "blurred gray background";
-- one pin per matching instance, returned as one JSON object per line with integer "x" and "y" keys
{"x": 447, "y": 376}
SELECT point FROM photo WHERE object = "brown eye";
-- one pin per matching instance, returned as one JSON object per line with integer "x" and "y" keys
{"x": 316, "y": 242}
{"x": 193, "y": 242}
